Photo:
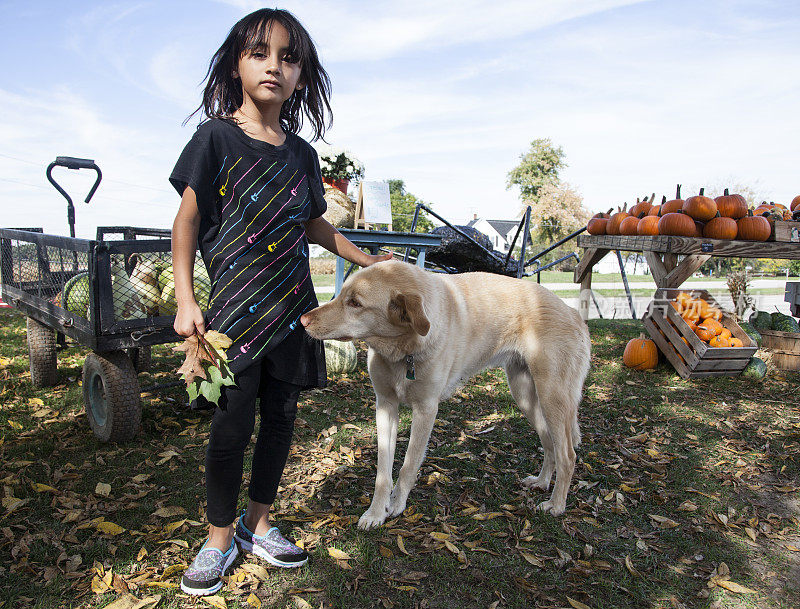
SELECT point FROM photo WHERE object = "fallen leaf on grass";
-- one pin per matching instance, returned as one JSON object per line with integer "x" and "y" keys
{"x": 338, "y": 554}
{"x": 629, "y": 565}
{"x": 256, "y": 570}
{"x": 734, "y": 587}
{"x": 402, "y": 546}
{"x": 169, "y": 511}
{"x": 43, "y": 488}
{"x": 102, "y": 489}
{"x": 301, "y": 603}
{"x": 109, "y": 528}
{"x": 216, "y": 601}
{"x": 254, "y": 601}
{"x": 577, "y": 604}
{"x": 534, "y": 560}
{"x": 663, "y": 522}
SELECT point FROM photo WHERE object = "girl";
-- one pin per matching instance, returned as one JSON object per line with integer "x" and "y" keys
{"x": 252, "y": 199}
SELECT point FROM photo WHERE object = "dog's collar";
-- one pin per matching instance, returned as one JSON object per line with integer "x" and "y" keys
{"x": 410, "y": 373}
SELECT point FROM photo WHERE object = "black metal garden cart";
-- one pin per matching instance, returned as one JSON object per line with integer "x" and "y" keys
{"x": 113, "y": 294}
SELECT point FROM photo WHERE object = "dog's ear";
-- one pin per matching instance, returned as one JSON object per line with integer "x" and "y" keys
{"x": 406, "y": 309}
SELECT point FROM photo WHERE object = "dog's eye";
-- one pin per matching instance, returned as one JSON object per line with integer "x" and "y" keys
{"x": 353, "y": 303}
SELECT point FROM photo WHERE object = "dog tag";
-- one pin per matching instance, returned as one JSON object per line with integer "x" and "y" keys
{"x": 410, "y": 374}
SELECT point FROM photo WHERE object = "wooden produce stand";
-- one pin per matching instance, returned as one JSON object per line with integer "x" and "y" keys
{"x": 662, "y": 252}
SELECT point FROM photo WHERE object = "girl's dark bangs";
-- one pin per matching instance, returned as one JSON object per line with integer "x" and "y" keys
{"x": 255, "y": 37}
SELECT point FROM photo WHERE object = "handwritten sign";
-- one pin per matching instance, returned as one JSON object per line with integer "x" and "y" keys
{"x": 375, "y": 204}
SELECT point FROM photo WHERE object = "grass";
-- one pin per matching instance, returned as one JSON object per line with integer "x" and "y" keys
{"x": 674, "y": 479}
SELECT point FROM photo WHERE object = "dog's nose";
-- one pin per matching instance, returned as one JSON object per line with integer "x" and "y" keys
{"x": 304, "y": 319}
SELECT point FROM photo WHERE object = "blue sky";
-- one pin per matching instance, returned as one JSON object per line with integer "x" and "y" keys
{"x": 446, "y": 96}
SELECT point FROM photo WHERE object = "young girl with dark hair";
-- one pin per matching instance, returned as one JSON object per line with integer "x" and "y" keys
{"x": 251, "y": 200}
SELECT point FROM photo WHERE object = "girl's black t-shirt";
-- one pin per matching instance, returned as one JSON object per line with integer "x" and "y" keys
{"x": 253, "y": 198}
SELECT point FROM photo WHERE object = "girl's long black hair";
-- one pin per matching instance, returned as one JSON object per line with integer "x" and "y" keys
{"x": 223, "y": 93}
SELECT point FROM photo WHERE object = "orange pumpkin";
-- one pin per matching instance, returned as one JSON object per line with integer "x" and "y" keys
{"x": 640, "y": 354}
{"x": 655, "y": 210}
{"x": 714, "y": 313}
{"x": 691, "y": 311}
{"x": 641, "y": 207}
{"x": 648, "y": 226}
{"x": 629, "y": 226}
{"x": 711, "y": 324}
{"x": 678, "y": 306}
{"x": 725, "y": 333}
{"x": 604, "y": 214}
{"x": 753, "y": 228}
{"x": 700, "y": 207}
{"x": 735, "y": 342}
{"x": 721, "y": 227}
{"x": 597, "y": 226}
{"x": 615, "y": 220}
{"x": 704, "y": 334}
{"x": 689, "y": 322}
{"x": 702, "y": 308}
{"x": 795, "y": 203}
{"x": 676, "y": 204}
{"x": 718, "y": 341}
{"x": 676, "y": 223}
{"x": 731, "y": 206}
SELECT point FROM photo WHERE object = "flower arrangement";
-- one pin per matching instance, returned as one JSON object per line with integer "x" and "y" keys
{"x": 339, "y": 164}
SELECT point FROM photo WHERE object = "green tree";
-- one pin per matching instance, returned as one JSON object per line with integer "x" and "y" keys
{"x": 538, "y": 168}
{"x": 403, "y": 206}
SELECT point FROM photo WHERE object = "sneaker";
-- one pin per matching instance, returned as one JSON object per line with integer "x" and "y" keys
{"x": 272, "y": 547}
{"x": 204, "y": 575}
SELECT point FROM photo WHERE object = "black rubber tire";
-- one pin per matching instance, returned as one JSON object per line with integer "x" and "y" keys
{"x": 141, "y": 357}
{"x": 42, "y": 354}
{"x": 111, "y": 396}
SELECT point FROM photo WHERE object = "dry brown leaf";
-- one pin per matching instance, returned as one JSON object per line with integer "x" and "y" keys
{"x": 402, "y": 546}
{"x": 385, "y": 552}
{"x": 216, "y": 601}
{"x": 256, "y": 570}
{"x": 534, "y": 560}
{"x": 734, "y": 587}
{"x": 142, "y": 553}
{"x": 254, "y": 601}
{"x": 630, "y": 567}
{"x": 577, "y": 604}
{"x": 109, "y": 528}
{"x": 126, "y": 601}
{"x": 663, "y": 521}
{"x": 169, "y": 511}
{"x": 102, "y": 489}
{"x": 301, "y": 603}
{"x": 339, "y": 554}
{"x": 452, "y": 547}
{"x": 751, "y": 533}
{"x": 172, "y": 570}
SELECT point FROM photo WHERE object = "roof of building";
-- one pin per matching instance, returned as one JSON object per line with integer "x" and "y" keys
{"x": 503, "y": 227}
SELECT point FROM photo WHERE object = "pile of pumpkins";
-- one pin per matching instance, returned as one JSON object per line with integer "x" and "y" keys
{"x": 704, "y": 320}
{"x": 724, "y": 217}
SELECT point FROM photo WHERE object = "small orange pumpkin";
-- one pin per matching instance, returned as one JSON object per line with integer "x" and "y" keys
{"x": 640, "y": 354}
{"x": 700, "y": 207}
{"x": 676, "y": 204}
{"x": 648, "y": 226}
{"x": 731, "y": 206}
{"x": 676, "y": 223}
{"x": 655, "y": 210}
{"x": 721, "y": 227}
{"x": 629, "y": 226}
{"x": 597, "y": 226}
{"x": 753, "y": 228}
{"x": 711, "y": 324}
{"x": 718, "y": 341}
{"x": 703, "y": 333}
{"x": 725, "y": 334}
{"x": 736, "y": 342}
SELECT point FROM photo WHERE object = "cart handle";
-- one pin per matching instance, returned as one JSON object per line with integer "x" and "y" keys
{"x": 73, "y": 163}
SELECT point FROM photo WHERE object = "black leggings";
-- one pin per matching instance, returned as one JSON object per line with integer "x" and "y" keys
{"x": 231, "y": 430}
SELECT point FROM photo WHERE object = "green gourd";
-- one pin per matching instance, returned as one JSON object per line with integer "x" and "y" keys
{"x": 761, "y": 320}
{"x": 754, "y": 334}
{"x": 340, "y": 357}
{"x": 756, "y": 369}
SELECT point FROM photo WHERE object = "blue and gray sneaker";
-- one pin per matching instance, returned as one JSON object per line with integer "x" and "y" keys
{"x": 204, "y": 575}
{"x": 272, "y": 547}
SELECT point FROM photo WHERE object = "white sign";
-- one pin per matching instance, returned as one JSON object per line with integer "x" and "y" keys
{"x": 376, "y": 202}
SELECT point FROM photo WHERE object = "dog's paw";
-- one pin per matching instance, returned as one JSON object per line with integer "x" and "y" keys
{"x": 549, "y": 506}
{"x": 536, "y": 482}
{"x": 397, "y": 503}
{"x": 372, "y": 519}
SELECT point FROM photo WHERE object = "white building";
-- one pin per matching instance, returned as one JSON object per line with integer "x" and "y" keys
{"x": 500, "y": 232}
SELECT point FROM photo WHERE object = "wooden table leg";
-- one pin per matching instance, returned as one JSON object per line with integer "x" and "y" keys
{"x": 583, "y": 275}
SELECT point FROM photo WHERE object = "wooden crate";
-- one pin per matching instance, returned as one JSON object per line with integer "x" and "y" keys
{"x": 784, "y": 348}
{"x": 786, "y": 231}
{"x": 695, "y": 359}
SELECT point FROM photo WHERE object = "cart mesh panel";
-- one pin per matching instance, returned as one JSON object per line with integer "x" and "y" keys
{"x": 53, "y": 273}
{"x": 143, "y": 285}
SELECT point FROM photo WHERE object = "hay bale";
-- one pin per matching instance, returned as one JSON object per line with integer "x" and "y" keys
{"x": 341, "y": 209}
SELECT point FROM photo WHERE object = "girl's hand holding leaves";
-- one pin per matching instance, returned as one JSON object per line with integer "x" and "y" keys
{"x": 205, "y": 368}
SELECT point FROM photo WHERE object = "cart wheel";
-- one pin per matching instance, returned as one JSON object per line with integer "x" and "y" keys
{"x": 111, "y": 396}
{"x": 141, "y": 358}
{"x": 42, "y": 354}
